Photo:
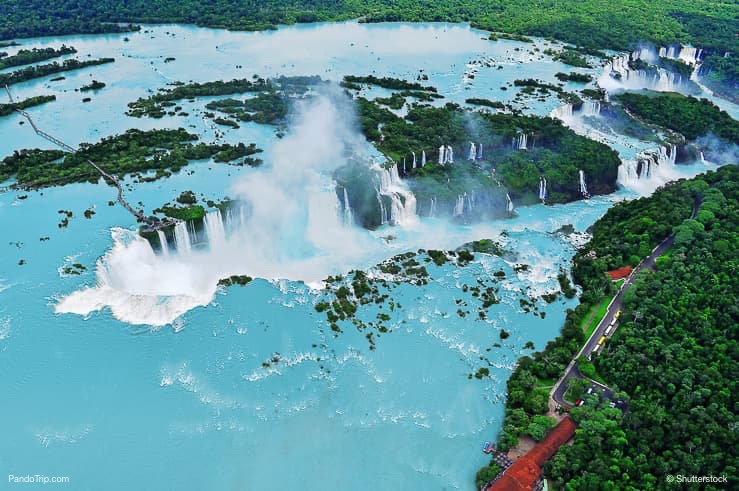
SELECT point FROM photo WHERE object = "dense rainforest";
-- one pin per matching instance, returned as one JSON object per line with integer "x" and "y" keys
{"x": 673, "y": 358}
{"x": 688, "y": 116}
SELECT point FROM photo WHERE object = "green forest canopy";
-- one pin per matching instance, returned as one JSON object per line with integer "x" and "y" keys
{"x": 592, "y": 23}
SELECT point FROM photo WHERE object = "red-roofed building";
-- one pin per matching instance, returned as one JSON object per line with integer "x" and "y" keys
{"x": 526, "y": 471}
{"x": 620, "y": 273}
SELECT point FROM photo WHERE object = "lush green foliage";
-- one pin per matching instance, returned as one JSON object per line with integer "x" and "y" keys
{"x": 555, "y": 152}
{"x": 581, "y": 78}
{"x": 38, "y": 71}
{"x": 7, "y": 109}
{"x": 154, "y": 106}
{"x": 26, "y": 56}
{"x": 386, "y": 82}
{"x": 674, "y": 355}
{"x": 264, "y": 108}
{"x": 164, "y": 151}
{"x": 94, "y": 85}
{"x": 687, "y": 115}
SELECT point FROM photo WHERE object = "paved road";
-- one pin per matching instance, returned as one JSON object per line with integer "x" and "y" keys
{"x": 560, "y": 388}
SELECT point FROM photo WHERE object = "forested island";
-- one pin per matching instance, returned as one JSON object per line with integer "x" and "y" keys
{"x": 26, "y": 56}
{"x": 670, "y": 359}
{"x": 134, "y": 152}
{"x": 516, "y": 153}
{"x": 8, "y": 109}
{"x": 38, "y": 71}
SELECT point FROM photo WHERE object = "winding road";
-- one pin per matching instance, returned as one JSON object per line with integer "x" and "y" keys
{"x": 559, "y": 389}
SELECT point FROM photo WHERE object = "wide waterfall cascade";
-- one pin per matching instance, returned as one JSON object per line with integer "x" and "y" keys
{"x": 509, "y": 203}
{"x": 542, "y": 188}
{"x": 347, "y": 209}
{"x": 182, "y": 237}
{"x": 687, "y": 54}
{"x": 520, "y": 142}
{"x": 583, "y": 187}
{"x": 568, "y": 111}
{"x": 649, "y": 170}
{"x": 618, "y": 74}
{"x": 214, "y": 228}
{"x": 423, "y": 158}
{"x": 402, "y": 199}
{"x": 163, "y": 242}
{"x": 473, "y": 152}
{"x": 479, "y": 151}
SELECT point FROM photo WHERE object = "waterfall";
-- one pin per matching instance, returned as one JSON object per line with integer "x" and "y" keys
{"x": 509, "y": 205}
{"x": 165, "y": 246}
{"x": 348, "y": 217}
{"x": 383, "y": 211}
{"x": 414, "y": 160}
{"x": 473, "y": 152}
{"x": 402, "y": 200}
{"x": 583, "y": 187}
{"x": 459, "y": 207}
{"x": 214, "y": 228}
{"x": 519, "y": 142}
{"x": 590, "y": 108}
{"x": 479, "y": 151}
{"x": 442, "y": 154}
{"x": 542, "y": 188}
{"x": 182, "y": 237}
{"x": 449, "y": 155}
{"x": 703, "y": 158}
{"x": 432, "y": 207}
{"x": 648, "y": 164}
{"x": 470, "y": 201}
{"x": 618, "y": 74}
{"x": 423, "y": 158}
{"x": 562, "y": 112}
{"x": 404, "y": 170}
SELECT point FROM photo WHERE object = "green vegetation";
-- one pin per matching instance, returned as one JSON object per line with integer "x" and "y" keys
{"x": 8, "y": 109}
{"x": 580, "y": 78}
{"x": 26, "y": 56}
{"x": 672, "y": 356}
{"x": 670, "y": 359}
{"x": 395, "y": 101}
{"x": 590, "y": 24}
{"x": 38, "y": 71}
{"x": 8, "y": 44}
{"x": 570, "y": 57}
{"x": 134, "y": 152}
{"x": 240, "y": 280}
{"x": 555, "y": 152}
{"x": 264, "y": 108}
{"x": 487, "y": 473}
{"x": 687, "y": 115}
{"x": 94, "y": 85}
{"x": 485, "y": 102}
{"x": 154, "y": 106}
{"x": 593, "y": 318}
{"x": 386, "y": 82}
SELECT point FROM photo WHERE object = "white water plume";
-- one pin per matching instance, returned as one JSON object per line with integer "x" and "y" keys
{"x": 293, "y": 228}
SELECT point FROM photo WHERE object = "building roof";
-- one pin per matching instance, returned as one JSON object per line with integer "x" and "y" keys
{"x": 619, "y": 273}
{"x": 524, "y": 472}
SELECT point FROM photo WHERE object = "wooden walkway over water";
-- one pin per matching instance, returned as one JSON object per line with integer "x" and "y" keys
{"x": 140, "y": 217}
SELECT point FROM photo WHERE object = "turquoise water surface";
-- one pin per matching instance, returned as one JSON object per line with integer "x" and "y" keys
{"x": 165, "y": 401}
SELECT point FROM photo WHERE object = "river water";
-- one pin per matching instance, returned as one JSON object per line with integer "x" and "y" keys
{"x": 167, "y": 401}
